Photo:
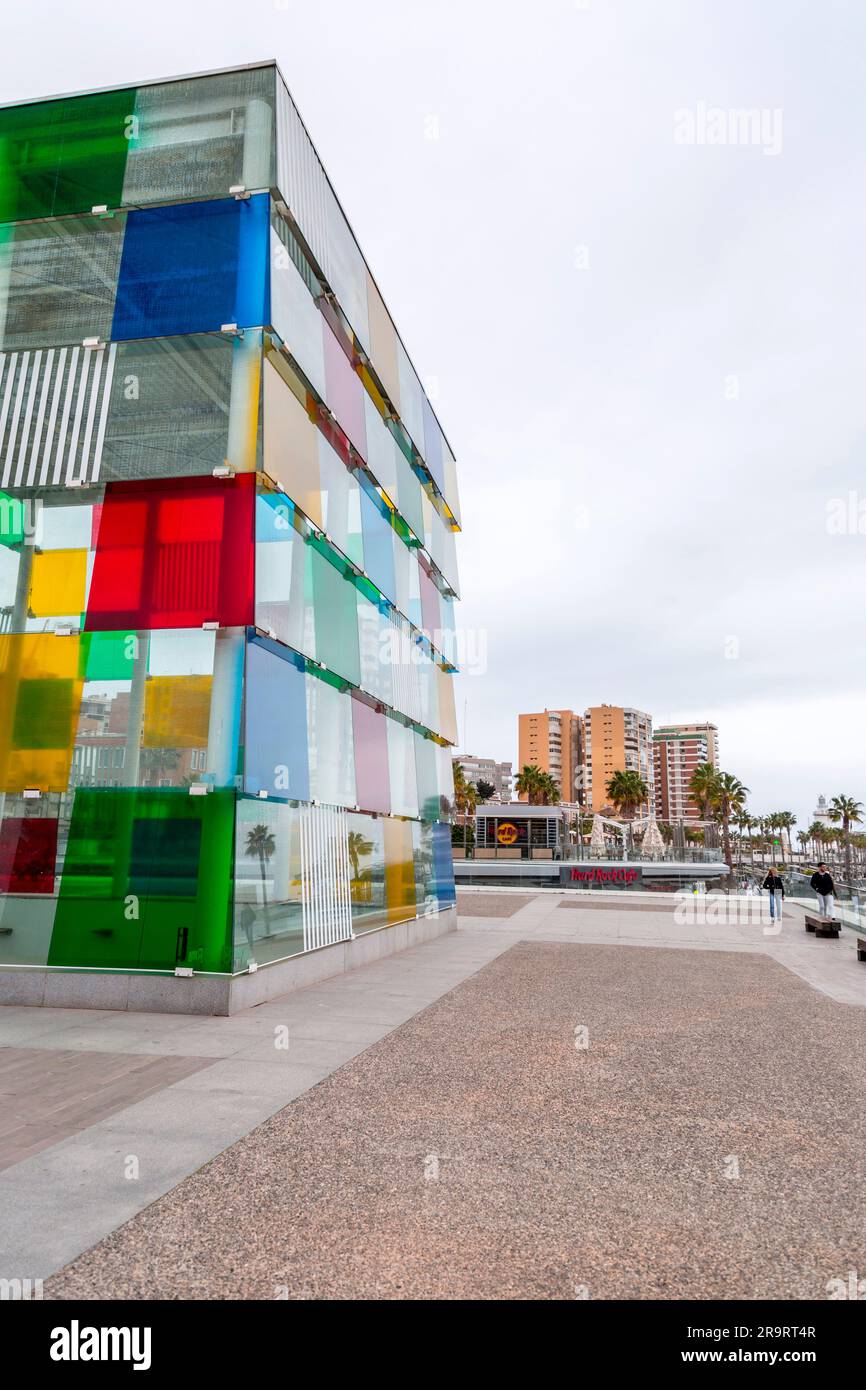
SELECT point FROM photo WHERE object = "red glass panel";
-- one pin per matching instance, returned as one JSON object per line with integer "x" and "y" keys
{"x": 372, "y": 778}
{"x": 174, "y": 553}
{"x": 429, "y": 602}
{"x": 28, "y": 852}
{"x": 345, "y": 392}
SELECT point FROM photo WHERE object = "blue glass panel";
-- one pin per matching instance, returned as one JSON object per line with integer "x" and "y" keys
{"x": 275, "y": 755}
{"x": 193, "y": 267}
{"x": 443, "y": 865}
{"x": 378, "y": 544}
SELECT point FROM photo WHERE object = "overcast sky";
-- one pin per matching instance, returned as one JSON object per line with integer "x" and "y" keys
{"x": 648, "y": 354}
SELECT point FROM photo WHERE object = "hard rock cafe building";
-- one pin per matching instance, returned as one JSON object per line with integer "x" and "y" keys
{"x": 541, "y": 846}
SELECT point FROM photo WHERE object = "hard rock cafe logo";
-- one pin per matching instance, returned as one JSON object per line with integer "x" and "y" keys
{"x": 506, "y": 833}
{"x": 603, "y": 875}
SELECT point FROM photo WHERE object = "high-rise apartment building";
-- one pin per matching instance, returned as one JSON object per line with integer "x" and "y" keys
{"x": 616, "y": 740}
{"x": 227, "y": 547}
{"x": 677, "y": 750}
{"x": 553, "y": 741}
{"x": 499, "y": 775}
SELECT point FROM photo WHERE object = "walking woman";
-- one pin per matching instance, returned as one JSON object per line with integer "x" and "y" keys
{"x": 777, "y": 893}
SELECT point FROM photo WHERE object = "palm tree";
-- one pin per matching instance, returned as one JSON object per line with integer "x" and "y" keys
{"x": 768, "y": 826}
{"x": 845, "y": 811}
{"x": 549, "y": 793}
{"x": 465, "y": 797}
{"x": 742, "y": 820}
{"x": 701, "y": 785}
{"x": 771, "y": 826}
{"x": 787, "y": 821}
{"x": 359, "y": 848}
{"x": 803, "y": 837}
{"x": 529, "y": 781}
{"x": 815, "y": 832}
{"x": 261, "y": 843}
{"x": 727, "y": 797}
{"x": 628, "y": 791}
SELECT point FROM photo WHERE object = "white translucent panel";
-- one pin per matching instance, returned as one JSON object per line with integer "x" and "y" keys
{"x": 65, "y": 528}
{"x": 381, "y": 450}
{"x": 294, "y": 315}
{"x": 374, "y": 630}
{"x": 347, "y": 271}
{"x": 411, "y": 408}
{"x": 330, "y": 742}
{"x": 401, "y": 760}
{"x": 199, "y": 137}
{"x": 450, "y": 489}
{"x": 403, "y": 559}
{"x": 181, "y": 652}
{"x": 337, "y": 485}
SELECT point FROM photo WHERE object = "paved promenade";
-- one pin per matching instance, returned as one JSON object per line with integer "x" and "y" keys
{"x": 706, "y": 1142}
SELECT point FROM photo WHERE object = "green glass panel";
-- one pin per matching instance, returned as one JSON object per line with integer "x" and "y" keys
{"x": 108, "y": 656}
{"x": 409, "y": 494}
{"x": 11, "y": 520}
{"x": 147, "y": 881}
{"x": 43, "y": 713}
{"x": 64, "y": 156}
{"x": 335, "y": 605}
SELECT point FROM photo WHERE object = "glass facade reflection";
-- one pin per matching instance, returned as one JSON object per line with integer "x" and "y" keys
{"x": 227, "y": 559}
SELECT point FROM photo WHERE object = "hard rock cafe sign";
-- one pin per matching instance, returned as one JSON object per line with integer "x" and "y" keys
{"x": 506, "y": 833}
{"x": 599, "y": 875}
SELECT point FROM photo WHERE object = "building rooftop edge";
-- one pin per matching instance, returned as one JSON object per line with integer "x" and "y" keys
{"x": 146, "y": 82}
{"x": 217, "y": 72}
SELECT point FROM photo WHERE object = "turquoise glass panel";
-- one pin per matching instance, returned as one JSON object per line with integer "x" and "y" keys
{"x": 335, "y": 605}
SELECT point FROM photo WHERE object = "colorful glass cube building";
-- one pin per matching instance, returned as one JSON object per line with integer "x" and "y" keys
{"x": 227, "y": 558}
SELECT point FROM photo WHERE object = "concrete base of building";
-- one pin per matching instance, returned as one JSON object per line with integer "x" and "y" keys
{"x": 214, "y": 994}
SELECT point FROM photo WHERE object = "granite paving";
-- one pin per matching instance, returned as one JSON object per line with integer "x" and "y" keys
{"x": 46, "y": 1096}
{"x": 492, "y": 904}
{"x": 573, "y": 1120}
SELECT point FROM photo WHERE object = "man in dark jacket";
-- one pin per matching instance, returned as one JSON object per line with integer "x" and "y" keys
{"x": 777, "y": 893}
{"x": 822, "y": 884}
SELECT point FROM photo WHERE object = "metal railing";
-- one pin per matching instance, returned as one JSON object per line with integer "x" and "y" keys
{"x": 574, "y": 854}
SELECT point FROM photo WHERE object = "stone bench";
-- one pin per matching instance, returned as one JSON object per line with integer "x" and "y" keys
{"x": 861, "y": 940}
{"x": 822, "y": 926}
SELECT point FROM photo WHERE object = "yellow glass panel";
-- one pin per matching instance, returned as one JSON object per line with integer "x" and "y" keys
{"x": 291, "y": 446}
{"x": 58, "y": 580}
{"x": 40, "y": 698}
{"x": 176, "y": 711}
{"x": 399, "y": 870}
{"x": 243, "y": 431}
{"x": 447, "y": 711}
{"x": 383, "y": 344}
